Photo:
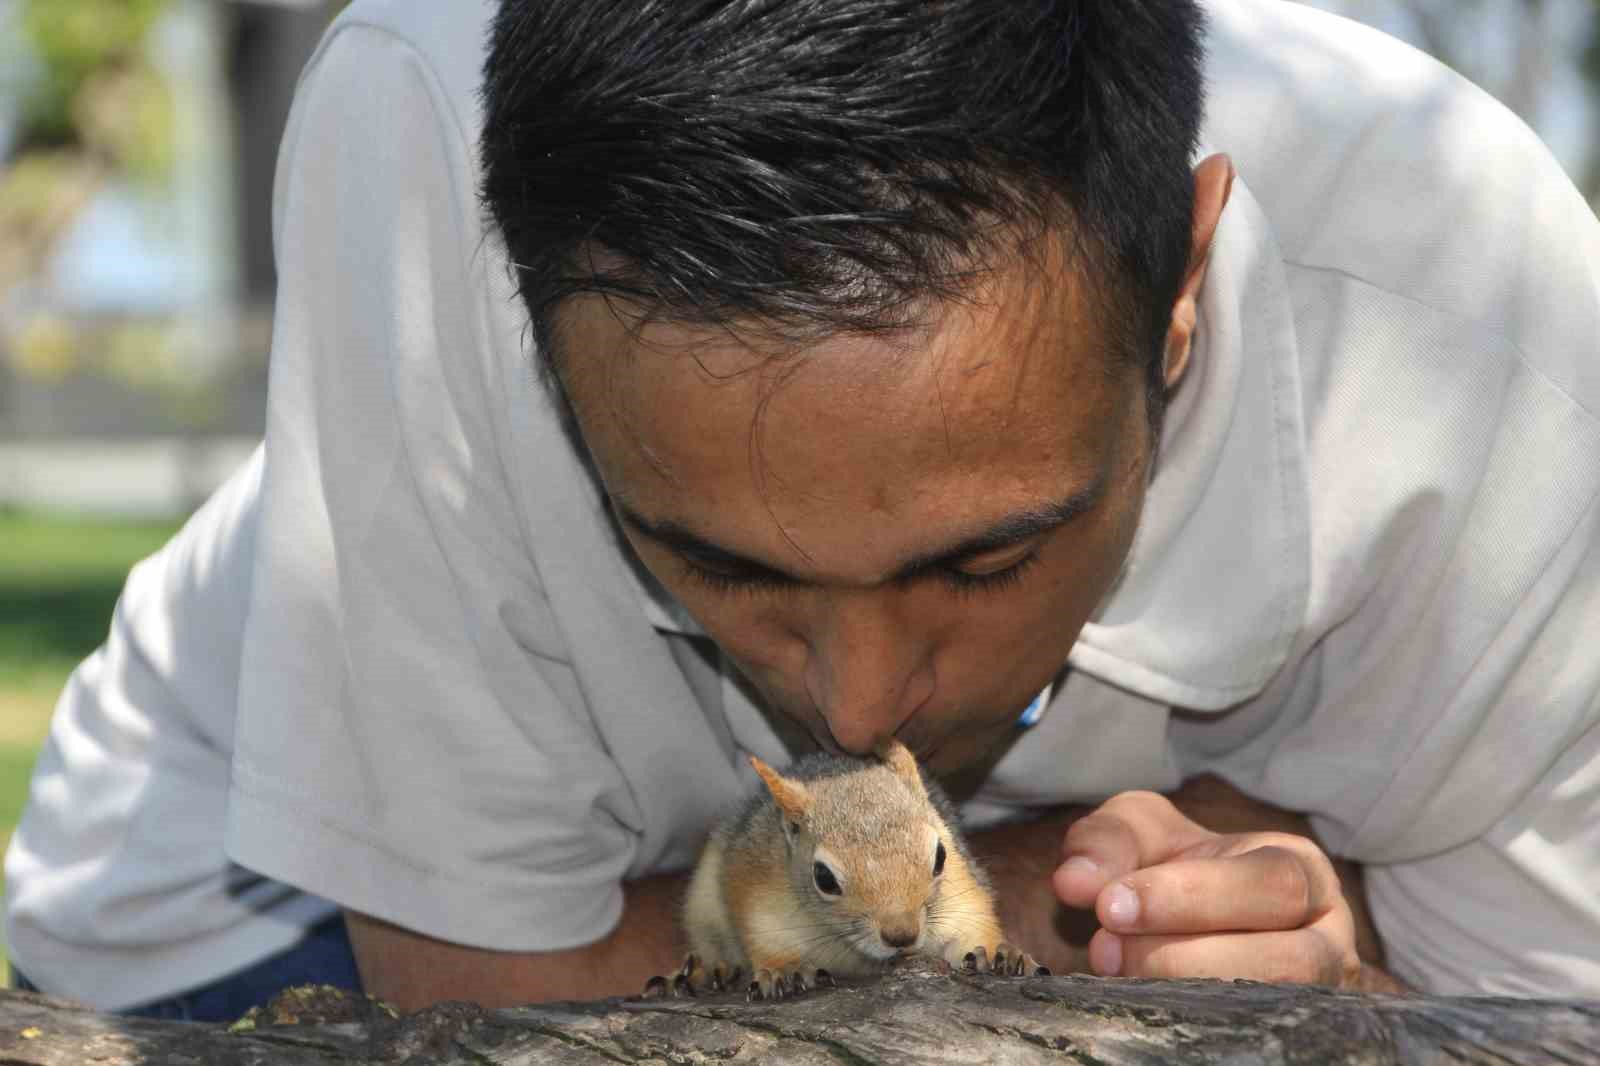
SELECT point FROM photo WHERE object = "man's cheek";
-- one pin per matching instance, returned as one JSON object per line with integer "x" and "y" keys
{"x": 769, "y": 664}
{"x": 963, "y": 744}
{"x": 759, "y": 648}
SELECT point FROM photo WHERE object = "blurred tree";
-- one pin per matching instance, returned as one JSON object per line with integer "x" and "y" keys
{"x": 96, "y": 109}
{"x": 1589, "y": 65}
{"x": 76, "y": 41}
{"x": 161, "y": 117}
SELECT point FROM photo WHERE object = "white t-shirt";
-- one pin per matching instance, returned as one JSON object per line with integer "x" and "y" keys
{"x": 402, "y": 663}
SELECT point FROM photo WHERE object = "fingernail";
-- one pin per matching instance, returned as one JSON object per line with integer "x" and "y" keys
{"x": 1082, "y": 864}
{"x": 1122, "y": 906}
{"x": 1108, "y": 959}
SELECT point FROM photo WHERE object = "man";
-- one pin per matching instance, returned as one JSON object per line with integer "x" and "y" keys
{"x": 834, "y": 369}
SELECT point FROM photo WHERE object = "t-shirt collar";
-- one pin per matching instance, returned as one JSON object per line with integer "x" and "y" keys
{"x": 1215, "y": 586}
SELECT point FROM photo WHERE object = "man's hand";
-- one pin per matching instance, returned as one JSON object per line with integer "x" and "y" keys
{"x": 1175, "y": 899}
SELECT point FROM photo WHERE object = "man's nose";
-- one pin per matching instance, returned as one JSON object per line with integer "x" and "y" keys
{"x": 868, "y": 670}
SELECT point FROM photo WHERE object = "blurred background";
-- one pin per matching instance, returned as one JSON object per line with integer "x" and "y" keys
{"x": 137, "y": 147}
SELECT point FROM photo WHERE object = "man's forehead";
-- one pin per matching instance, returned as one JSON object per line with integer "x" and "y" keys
{"x": 998, "y": 329}
{"x": 997, "y": 400}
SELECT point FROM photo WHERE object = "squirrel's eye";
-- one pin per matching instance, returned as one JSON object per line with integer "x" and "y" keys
{"x": 938, "y": 859}
{"x": 827, "y": 884}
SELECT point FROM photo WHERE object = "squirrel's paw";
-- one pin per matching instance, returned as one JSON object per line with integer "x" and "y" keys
{"x": 1008, "y": 961}
{"x": 775, "y": 984}
{"x": 692, "y": 978}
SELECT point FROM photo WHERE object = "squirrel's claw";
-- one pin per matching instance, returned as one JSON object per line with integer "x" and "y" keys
{"x": 1008, "y": 961}
{"x": 779, "y": 985}
{"x": 685, "y": 983}
{"x": 1017, "y": 963}
{"x": 690, "y": 975}
{"x": 658, "y": 987}
{"x": 725, "y": 977}
{"x": 694, "y": 977}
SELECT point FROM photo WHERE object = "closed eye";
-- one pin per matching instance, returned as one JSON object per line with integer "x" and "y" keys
{"x": 954, "y": 577}
{"x": 727, "y": 581}
{"x": 987, "y": 561}
{"x": 991, "y": 580}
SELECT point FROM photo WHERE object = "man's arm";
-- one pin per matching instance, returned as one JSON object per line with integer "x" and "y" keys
{"x": 411, "y": 970}
{"x": 1022, "y": 858}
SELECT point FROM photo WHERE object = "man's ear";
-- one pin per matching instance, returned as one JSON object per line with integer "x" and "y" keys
{"x": 1213, "y": 183}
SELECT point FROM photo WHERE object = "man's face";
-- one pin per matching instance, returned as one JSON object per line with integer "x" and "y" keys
{"x": 888, "y": 535}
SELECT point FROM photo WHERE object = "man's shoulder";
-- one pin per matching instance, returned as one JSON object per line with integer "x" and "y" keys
{"x": 448, "y": 40}
{"x": 1347, "y": 135}
{"x": 1380, "y": 166}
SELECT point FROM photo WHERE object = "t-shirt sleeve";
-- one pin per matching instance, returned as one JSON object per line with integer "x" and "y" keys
{"x": 1514, "y": 909}
{"x": 411, "y": 739}
{"x": 1515, "y": 912}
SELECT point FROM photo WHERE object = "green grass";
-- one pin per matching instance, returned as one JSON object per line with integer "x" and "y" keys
{"x": 59, "y": 580}
{"x": 16, "y": 763}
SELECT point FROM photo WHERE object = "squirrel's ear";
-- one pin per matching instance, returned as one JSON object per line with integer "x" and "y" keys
{"x": 791, "y": 796}
{"x": 897, "y": 757}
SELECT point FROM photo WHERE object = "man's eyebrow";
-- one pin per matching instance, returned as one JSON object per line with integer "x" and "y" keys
{"x": 685, "y": 541}
{"x": 1012, "y": 529}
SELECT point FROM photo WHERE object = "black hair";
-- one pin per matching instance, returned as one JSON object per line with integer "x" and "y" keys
{"x": 820, "y": 166}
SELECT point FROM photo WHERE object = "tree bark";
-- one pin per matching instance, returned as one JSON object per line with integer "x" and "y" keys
{"x": 910, "y": 1016}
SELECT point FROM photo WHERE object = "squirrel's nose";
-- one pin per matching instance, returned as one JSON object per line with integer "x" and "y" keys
{"x": 902, "y": 934}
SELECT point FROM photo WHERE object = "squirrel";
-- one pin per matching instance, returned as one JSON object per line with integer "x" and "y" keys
{"x": 837, "y": 868}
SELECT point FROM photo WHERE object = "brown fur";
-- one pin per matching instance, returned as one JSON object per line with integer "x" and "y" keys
{"x": 753, "y": 903}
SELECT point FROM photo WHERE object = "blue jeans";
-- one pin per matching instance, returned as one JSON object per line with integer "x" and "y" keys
{"x": 323, "y": 957}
